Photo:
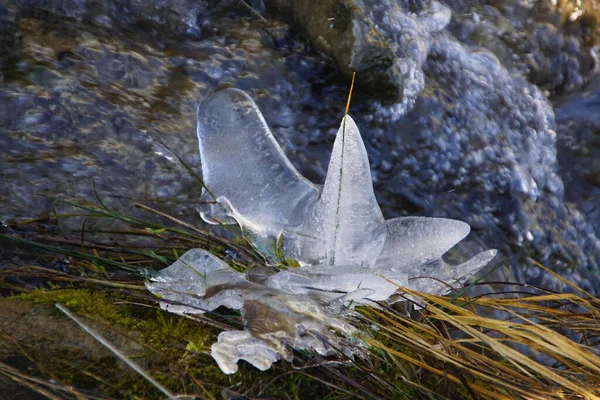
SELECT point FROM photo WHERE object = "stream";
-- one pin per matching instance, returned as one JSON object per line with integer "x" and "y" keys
{"x": 496, "y": 121}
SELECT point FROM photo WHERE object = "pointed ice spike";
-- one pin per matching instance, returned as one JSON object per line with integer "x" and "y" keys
{"x": 243, "y": 164}
{"x": 418, "y": 240}
{"x": 439, "y": 278}
{"x": 472, "y": 266}
{"x": 347, "y": 217}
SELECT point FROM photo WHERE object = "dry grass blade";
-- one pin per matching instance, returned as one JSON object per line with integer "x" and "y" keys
{"x": 488, "y": 355}
{"x": 115, "y": 351}
{"x": 535, "y": 345}
{"x": 41, "y": 386}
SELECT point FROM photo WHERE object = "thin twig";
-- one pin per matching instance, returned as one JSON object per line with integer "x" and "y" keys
{"x": 115, "y": 351}
{"x": 253, "y": 11}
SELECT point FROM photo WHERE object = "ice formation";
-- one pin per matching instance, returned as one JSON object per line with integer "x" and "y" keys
{"x": 348, "y": 253}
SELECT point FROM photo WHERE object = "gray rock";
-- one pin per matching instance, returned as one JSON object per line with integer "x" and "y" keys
{"x": 543, "y": 41}
{"x": 343, "y": 30}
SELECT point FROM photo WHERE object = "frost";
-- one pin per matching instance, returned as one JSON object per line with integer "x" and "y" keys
{"x": 348, "y": 253}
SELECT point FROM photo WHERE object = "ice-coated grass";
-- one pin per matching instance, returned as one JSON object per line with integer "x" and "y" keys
{"x": 539, "y": 345}
{"x": 348, "y": 253}
{"x": 451, "y": 349}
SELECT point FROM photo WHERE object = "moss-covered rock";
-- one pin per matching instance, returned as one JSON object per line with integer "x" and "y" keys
{"x": 38, "y": 341}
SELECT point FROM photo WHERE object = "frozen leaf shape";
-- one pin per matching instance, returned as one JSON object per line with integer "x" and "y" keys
{"x": 246, "y": 170}
{"x": 185, "y": 283}
{"x": 348, "y": 253}
{"x": 419, "y": 240}
{"x": 276, "y": 320}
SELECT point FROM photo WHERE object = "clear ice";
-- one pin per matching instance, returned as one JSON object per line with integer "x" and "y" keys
{"x": 348, "y": 253}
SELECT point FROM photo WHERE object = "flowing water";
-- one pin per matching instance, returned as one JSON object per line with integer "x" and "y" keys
{"x": 497, "y": 123}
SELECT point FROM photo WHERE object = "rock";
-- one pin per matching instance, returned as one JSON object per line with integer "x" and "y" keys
{"x": 8, "y": 33}
{"x": 550, "y": 43}
{"x": 111, "y": 101}
{"x": 579, "y": 151}
{"x": 37, "y": 339}
{"x": 342, "y": 30}
{"x": 176, "y": 17}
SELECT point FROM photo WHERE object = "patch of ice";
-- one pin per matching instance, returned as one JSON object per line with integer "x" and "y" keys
{"x": 184, "y": 284}
{"x": 348, "y": 253}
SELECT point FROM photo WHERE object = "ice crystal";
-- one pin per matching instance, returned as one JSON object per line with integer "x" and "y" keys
{"x": 349, "y": 254}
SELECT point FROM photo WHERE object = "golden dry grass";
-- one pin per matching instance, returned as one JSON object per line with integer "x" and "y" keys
{"x": 458, "y": 342}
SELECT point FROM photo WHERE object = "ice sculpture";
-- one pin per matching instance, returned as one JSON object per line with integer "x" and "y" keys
{"x": 348, "y": 253}
{"x": 277, "y": 320}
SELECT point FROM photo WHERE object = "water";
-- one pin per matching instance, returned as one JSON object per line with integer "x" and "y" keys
{"x": 495, "y": 126}
{"x": 84, "y": 104}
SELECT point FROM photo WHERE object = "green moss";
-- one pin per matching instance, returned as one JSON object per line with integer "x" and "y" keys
{"x": 174, "y": 344}
{"x": 176, "y": 351}
{"x": 157, "y": 329}
{"x": 175, "y": 335}
{"x": 84, "y": 301}
{"x": 177, "y": 355}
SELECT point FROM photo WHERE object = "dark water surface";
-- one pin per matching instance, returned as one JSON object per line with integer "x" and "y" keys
{"x": 498, "y": 123}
